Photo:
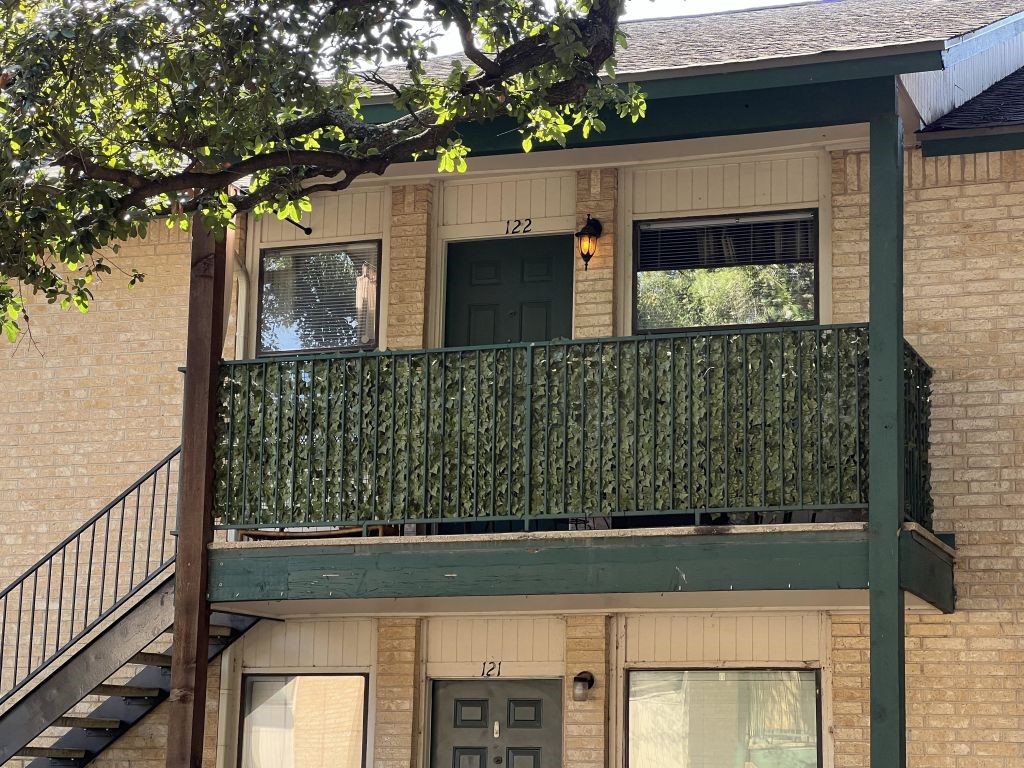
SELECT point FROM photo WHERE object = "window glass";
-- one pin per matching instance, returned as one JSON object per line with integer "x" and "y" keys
{"x": 723, "y": 719}
{"x": 319, "y": 298}
{"x": 726, "y": 271}
{"x": 303, "y": 721}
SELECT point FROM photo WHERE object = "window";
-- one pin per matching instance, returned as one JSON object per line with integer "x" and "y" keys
{"x": 304, "y": 721}
{"x": 722, "y": 271}
{"x": 319, "y": 298}
{"x": 716, "y": 718}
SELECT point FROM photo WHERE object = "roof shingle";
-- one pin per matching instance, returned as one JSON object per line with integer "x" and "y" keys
{"x": 806, "y": 29}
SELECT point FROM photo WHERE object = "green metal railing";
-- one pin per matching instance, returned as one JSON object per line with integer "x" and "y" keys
{"x": 738, "y": 426}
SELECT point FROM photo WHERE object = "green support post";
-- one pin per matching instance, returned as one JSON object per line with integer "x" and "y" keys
{"x": 885, "y": 429}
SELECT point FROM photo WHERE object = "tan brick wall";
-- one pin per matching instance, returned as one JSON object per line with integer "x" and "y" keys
{"x": 586, "y": 723}
{"x": 409, "y": 262}
{"x": 594, "y": 288}
{"x": 964, "y": 309}
{"x": 395, "y": 737}
{"x": 92, "y": 401}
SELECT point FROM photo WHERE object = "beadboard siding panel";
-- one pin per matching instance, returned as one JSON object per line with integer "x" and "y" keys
{"x": 498, "y": 200}
{"x": 760, "y": 639}
{"x": 308, "y": 644}
{"x": 939, "y": 92}
{"x": 335, "y": 216}
{"x": 726, "y": 186}
{"x": 458, "y": 646}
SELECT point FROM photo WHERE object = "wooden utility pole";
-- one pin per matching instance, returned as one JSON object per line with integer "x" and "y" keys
{"x": 187, "y": 702}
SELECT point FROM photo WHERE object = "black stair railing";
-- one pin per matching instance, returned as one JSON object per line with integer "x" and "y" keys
{"x": 79, "y": 583}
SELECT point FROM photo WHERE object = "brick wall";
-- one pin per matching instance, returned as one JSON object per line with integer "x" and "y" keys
{"x": 964, "y": 308}
{"x": 409, "y": 259}
{"x": 91, "y": 401}
{"x": 594, "y": 288}
{"x": 395, "y": 738}
{"x": 586, "y": 722}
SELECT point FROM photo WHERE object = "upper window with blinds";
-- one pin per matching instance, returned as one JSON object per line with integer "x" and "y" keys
{"x": 319, "y": 298}
{"x": 724, "y": 271}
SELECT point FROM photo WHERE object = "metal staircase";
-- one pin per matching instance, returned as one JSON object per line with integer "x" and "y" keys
{"x": 84, "y": 646}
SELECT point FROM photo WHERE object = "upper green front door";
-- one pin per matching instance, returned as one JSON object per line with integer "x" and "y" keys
{"x": 516, "y": 289}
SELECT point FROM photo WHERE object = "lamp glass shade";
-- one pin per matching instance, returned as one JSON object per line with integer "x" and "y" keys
{"x": 588, "y": 245}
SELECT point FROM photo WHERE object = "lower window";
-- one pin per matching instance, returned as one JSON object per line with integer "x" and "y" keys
{"x": 723, "y": 719}
{"x": 304, "y": 721}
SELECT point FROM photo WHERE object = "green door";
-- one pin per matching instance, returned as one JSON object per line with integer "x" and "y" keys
{"x": 515, "y": 289}
{"x": 494, "y": 723}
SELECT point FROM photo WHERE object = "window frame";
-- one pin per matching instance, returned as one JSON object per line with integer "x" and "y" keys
{"x": 818, "y": 697}
{"x": 368, "y": 347}
{"x": 815, "y": 214}
{"x": 243, "y": 702}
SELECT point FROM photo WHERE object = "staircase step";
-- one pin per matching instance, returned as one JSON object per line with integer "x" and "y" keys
{"x": 152, "y": 659}
{"x": 126, "y": 691}
{"x": 88, "y": 723}
{"x": 53, "y": 753}
{"x": 218, "y": 630}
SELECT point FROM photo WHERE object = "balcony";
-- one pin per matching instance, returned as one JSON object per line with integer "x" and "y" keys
{"x": 708, "y": 428}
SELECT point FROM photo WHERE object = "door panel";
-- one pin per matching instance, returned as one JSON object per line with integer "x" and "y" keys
{"x": 497, "y": 724}
{"x": 524, "y": 283}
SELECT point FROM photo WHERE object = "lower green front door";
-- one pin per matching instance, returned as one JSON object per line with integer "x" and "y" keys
{"x": 517, "y": 289}
{"x": 493, "y": 723}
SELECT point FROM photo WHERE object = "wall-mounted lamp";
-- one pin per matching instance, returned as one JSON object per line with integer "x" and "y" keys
{"x": 581, "y": 685}
{"x": 588, "y": 237}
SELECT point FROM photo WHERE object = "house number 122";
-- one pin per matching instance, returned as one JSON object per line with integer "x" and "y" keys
{"x": 518, "y": 226}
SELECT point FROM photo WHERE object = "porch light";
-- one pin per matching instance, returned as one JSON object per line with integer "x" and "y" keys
{"x": 582, "y": 683}
{"x": 588, "y": 237}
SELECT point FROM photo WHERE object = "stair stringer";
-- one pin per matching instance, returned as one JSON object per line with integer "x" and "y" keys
{"x": 73, "y": 680}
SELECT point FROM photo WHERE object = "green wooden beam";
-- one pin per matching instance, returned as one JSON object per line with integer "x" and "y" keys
{"x": 803, "y": 74}
{"x": 543, "y": 565}
{"x": 971, "y": 142}
{"x": 811, "y": 105}
{"x": 926, "y": 570}
{"x": 885, "y": 431}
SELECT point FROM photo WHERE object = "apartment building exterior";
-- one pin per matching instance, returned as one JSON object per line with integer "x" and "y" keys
{"x": 480, "y": 501}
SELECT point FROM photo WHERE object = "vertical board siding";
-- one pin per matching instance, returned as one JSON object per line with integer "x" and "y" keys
{"x": 345, "y": 215}
{"x": 937, "y": 93}
{"x": 726, "y": 186}
{"x": 482, "y": 202}
{"x": 326, "y": 643}
{"x": 714, "y": 639}
{"x": 473, "y": 639}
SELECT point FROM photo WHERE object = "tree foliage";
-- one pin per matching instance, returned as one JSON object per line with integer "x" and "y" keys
{"x": 740, "y": 295}
{"x": 117, "y": 112}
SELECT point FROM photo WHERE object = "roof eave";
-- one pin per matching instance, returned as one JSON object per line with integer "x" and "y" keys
{"x": 756, "y": 74}
{"x": 969, "y": 141}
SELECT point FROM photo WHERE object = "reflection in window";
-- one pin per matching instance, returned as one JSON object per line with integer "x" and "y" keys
{"x": 319, "y": 298}
{"x": 304, "y": 721}
{"x": 748, "y": 270}
{"x": 723, "y": 719}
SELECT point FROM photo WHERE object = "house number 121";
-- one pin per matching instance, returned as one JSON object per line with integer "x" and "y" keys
{"x": 490, "y": 669}
{"x": 518, "y": 226}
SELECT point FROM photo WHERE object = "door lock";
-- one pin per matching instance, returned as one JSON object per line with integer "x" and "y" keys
{"x": 497, "y": 760}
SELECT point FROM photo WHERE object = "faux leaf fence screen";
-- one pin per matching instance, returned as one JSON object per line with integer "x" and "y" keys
{"x": 704, "y": 424}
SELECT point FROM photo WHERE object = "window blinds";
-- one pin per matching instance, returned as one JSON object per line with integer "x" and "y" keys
{"x": 789, "y": 238}
{"x": 323, "y": 297}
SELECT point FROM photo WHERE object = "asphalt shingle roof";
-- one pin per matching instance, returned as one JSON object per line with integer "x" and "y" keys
{"x": 806, "y": 29}
{"x": 1000, "y": 106}
{"x": 803, "y": 30}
